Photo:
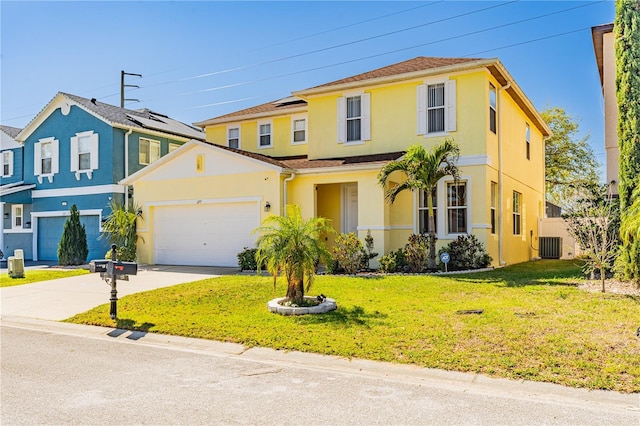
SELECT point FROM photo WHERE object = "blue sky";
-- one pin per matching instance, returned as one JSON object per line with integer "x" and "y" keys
{"x": 201, "y": 59}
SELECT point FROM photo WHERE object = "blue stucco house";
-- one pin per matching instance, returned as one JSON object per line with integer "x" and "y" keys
{"x": 75, "y": 151}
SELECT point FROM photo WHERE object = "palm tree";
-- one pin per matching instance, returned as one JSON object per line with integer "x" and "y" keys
{"x": 422, "y": 171}
{"x": 293, "y": 246}
{"x": 119, "y": 228}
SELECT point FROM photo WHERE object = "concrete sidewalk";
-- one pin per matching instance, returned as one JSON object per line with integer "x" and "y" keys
{"x": 65, "y": 297}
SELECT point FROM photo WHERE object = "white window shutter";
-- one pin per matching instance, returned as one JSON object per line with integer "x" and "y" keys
{"x": 55, "y": 156}
{"x": 10, "y": 163}
{"x": 421, "y": 118}
{"x": 450, "y": 117}
{"x": 37, "y": 159}
{"x": 342, "y": 119}
{"x": 365, "y": 124}
{"x": 74, "y": 154}
{"x": 94, "y": 151}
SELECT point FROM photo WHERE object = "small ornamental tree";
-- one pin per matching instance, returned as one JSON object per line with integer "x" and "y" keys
{"x": 119, "y": 228}
{"x": 594, "y": 222}
{"x": 347, "y": 251}
{"x": 73, "y": 249}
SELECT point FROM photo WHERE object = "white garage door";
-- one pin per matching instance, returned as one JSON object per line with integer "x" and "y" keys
{"x": 205, "y": 234}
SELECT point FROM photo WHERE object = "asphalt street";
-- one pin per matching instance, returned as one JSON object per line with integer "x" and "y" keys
{"x": 58, "y": 373}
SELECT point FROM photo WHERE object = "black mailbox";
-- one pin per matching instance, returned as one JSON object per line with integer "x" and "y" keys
{"x": 121, "y": 268}
{"x": 99, "y": 265}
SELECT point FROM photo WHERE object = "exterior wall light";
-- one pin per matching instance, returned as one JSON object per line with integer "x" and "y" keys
{"x": 267, "y": 206}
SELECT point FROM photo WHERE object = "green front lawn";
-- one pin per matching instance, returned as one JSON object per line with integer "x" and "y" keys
{"x": 36, "y": 275}
{"x": 536, "y": 324}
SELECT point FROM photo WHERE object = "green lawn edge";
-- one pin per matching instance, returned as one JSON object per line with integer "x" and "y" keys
{"x": 536, "y": 324}
{"x": 38, "y": 275}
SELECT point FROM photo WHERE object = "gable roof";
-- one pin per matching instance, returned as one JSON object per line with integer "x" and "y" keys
{"x": 290, "y": 105}
{"x": 420, "y": 63}
{"x": 10, "y": 131}
{"x": 143, "y": 119}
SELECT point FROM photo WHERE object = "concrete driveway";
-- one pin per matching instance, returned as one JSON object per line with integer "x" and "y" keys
{"x": 63, "y": 298}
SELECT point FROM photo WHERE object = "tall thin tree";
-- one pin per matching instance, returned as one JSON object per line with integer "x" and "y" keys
{"x": 422, "y": 170}
{"x": 627, "y": 52}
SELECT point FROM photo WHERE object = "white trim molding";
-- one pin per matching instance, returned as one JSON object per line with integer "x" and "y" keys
{"x": 86, "y": 190}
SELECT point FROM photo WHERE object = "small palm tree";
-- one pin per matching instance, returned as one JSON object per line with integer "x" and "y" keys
{"x": 293, "y": 246}
{"x": 422, "y": 172}
{"x": 119, "y": 228}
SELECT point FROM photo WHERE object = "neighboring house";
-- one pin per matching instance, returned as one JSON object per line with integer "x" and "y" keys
{"x": 76, "y": 150}
{"x": 322, "y": 149}
{"x": 606, "y": 60}
{"x": 13, "y": 193}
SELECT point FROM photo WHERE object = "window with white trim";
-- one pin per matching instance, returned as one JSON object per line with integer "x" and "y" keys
{"x": 264, "y": 135}
{"x": 16, "y": 215}
{"x": 423, "y": 211}
{"x": 456, "y": 207}
{"x": 527, "y": 137}
{"x": 494, "y": 203}
{"x": 149, "y": 151}
{"x": 492, "y": 108}
{"x": 517, "y": 206}
{"x": 173, "y": 146}
{"x": 45, "y": 159}
{"x": 84, "y": 153}
{"x": 233, "y": 137}
{"x": 7, "y": 163}
{"x": 354, "y": 122}
{"x": 436, "y": 109}
{"x": 298, "y": 130}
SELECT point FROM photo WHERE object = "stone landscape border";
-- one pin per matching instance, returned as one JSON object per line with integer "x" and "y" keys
{"x": 326, "y": 306}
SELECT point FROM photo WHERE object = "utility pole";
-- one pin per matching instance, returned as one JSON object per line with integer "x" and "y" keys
{"x": 122, "y": 86}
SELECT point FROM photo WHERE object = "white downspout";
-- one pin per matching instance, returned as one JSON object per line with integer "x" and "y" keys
{"x": 284, "y": 189}
{"x": 501, "y": 261}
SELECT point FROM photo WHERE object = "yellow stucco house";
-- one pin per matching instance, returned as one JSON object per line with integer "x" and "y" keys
{"x": 322, "y": 148}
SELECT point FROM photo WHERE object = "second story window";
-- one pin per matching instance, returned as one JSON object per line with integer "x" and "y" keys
{"x": 492, "y": 108}
{"x": 7, "y": 163}
{"x": 173, "y": 146}
{"x": 299, "y": 130}
{"x": 149, "y": 151}
{"x": 354, "y": 123}
{"x": 84, "y": 153}
{"x": 494, "y": 203}
{"x": 353, "y": 118}
{"x": 45, "y": 159}
{"x": 436, "y": 108}
{"x": 527, "y": 137}
{"x": 233, "y": 137}
{"x": 264, "y": 135}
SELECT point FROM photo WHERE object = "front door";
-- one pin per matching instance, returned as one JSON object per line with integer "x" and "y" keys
{"x": 349, "y": 208}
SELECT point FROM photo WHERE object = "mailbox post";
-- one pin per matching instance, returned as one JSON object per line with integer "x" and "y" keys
{"x": 111, "y": 271}
{"x": 113, "y": 310}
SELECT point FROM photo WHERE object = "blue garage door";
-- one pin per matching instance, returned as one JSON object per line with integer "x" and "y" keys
{"x": 50, "y": 232}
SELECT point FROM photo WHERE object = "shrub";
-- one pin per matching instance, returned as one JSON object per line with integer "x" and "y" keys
{"x": 127, "y": 254}
{"x": 466, "y": 252}
{"x": 247, "y": 259}
{"x": 388, "y": 263}
{"x": 347, "y": 251}
{"x": 73, "y": 248}
{"x": 368, "y": 254}
{"x": 416, "y": 252}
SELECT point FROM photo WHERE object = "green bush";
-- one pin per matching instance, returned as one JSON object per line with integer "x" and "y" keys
{"x": 247, "y": 259}
{"x": 73, "y": 248}
{"x": 466, "y": 252}
{"x": 395, "y": 261}
{"x": 125, "y": 254}
{"x": 417, "y": 252}
{"x": 348, "y": 252}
